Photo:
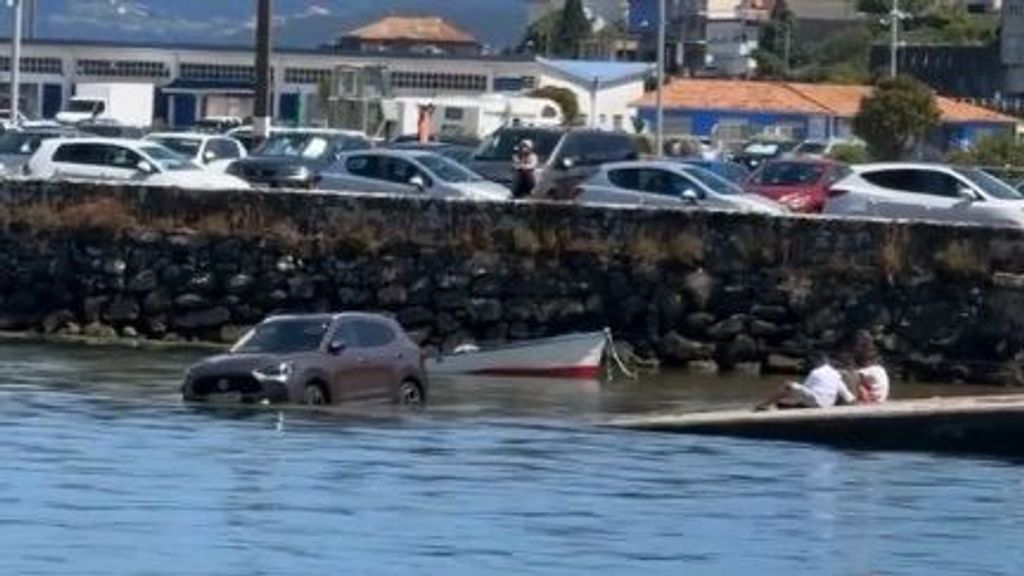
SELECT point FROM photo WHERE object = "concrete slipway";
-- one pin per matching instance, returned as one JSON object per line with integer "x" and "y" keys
{"x": 990, "y": 425}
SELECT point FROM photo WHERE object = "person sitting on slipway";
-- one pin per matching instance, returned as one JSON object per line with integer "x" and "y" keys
{"x": 868, "y": 379}
{"x": 823, "y": 388}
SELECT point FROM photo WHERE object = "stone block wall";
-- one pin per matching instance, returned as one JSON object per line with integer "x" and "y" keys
{"x": 690, "y": 287}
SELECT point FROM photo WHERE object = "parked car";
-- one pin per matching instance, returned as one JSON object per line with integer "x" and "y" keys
{"x": 920, "y": 191}
{"x": 801, "y": 185}
{"x": 109, "y": 128}
{"x": 294, "y": 158}
{"x": 114, "y": 159}
{"x": 756, "y": 153}
{"x": 218, "y": 124}
{"x": 731, "y": 171}
{"x": 18, "y": 145}
{"x": 567, "y": 156}
{"x": 672, "y": 184}
{"x": 210, "y": 150}
{"x": 457, "y": 152}
{"x": 820, "y": 149}
{"x": 408, "y": 172}
{"x": 314, "y": 359}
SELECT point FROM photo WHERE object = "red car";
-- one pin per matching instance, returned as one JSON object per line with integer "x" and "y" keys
{"x": 801, "y": 185}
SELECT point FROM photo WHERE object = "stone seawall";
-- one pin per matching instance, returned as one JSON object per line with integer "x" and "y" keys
{"x": 692, "y": 288}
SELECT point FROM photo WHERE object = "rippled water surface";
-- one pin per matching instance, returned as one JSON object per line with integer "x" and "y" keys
{"x": 104, "y": 471}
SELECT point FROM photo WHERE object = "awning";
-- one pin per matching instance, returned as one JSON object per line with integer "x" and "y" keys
{"x": 217, "y": 87}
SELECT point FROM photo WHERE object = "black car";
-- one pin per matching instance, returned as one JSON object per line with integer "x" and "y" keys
{"x": 457, "y": 152}
{"x": 295, "y": 158}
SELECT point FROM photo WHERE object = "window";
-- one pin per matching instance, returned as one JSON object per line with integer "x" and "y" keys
{"x": 197, "y": 71}
{"x": 929, "y": 182}
{"x": 221, "y": 148}
{"x": 118, "y": 157}
{"x": 456, "y": 114}
{"x": 790, "y": 174}
{"x": 398, "y": 170}
{"x": 283, "y": 337}
{"x": 628, "y": 178}
{"x": 373, "y": 334}
{"x": 122, "y": 68}
{"x": 665, "y": 183}
{"x": 599, "y": 148}
{"x": 185, "y": 146}
{"x": 363, "y": 166}
{"x": 35, "y": 65}
{"x": 439, "y": 81}
{"x": 305, "y": 75}
{"x": 79, "y": 154}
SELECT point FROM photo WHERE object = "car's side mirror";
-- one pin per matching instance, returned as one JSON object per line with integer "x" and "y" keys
{"x": 145, "y": 167}
{"x": 418, "y": 182}
{"x": 966, "y": 194}
{"x": 690, "y": 196}
{"x": 336, "y": 347}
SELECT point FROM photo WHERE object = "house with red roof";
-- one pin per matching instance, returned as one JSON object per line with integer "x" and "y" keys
{"x": 411, "y": 34}
{"x": 739, "y": 109}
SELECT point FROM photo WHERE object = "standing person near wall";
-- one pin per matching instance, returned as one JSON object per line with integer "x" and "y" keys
{"x": 525, "y": 164}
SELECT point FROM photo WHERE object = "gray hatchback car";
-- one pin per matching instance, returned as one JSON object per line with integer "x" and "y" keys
{"x": 314, "y": 359}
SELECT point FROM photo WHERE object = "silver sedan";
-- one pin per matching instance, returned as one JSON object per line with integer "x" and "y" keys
{"x": 411, "y": 172}
{"x": 670, "y": 184}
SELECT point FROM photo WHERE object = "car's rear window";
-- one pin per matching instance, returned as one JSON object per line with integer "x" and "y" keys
{"x": 502, "y": 144}
{"x": 789, "y": 174}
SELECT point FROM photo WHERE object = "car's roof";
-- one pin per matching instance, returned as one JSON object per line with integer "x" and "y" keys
{"x": 803, "y": 160}
{"x": 185, "y": 135}
{"x": 872, "y": 166}
{"x": 399, "y": 153}
{"x": 326, "y": 316}
{"x": 127, "y": 142}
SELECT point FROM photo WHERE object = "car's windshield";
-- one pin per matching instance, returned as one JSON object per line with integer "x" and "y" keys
{"x": 22, "y": 143}
{"x": 283, "y": 337}
{"x": 307, "y": 146}
{"x": 168, "y": 159}
{"x": 447, "y": 170}
{"x": 83, "y": 105}
{"x": 989, "y": 184}
{"x": 716, "y": 183}
{"x": 762, "y": 148}
{"x": 502, "y": 144}
{"x": 188, "y": 147}
{"x": 789, "y": 174}
{"x": 812, "y": 148}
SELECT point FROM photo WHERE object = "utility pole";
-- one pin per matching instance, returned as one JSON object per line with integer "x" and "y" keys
{"x": 894, "y": 41}
{"x": 262, "y": 113}
{"x": 15, "y": 76}
{"x": 659, "y": 139}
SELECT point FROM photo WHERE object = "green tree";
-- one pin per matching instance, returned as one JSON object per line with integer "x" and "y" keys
{"x": 998, "y": 151}
{"x": 897, "y": 114}
{"x": 777, "y": 44}
{"x": 573, "y": 29}
{"x": 540, "y": 36}
{"x": 565, "y": 98}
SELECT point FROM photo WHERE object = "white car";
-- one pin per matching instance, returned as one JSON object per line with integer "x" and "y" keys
{"x": 113, "y": 159}
{"x": 212, "y": 151}
{"x": 920, "y": 191}
{"x": 670, "y": 184}
{"x": 408, "y": 172}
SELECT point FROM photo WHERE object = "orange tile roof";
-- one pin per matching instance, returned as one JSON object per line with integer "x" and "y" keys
{"x": 417, "y": 29}
{"x": 796, "y": 98}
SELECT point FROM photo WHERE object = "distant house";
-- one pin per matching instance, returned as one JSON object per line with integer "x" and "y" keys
{"x": 411, "y": 35}
{"x": 736, "y": 109}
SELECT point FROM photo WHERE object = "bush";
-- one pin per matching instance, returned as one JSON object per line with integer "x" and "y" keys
{"x": 565, "y": 98}
{"x": 849, "y": 154}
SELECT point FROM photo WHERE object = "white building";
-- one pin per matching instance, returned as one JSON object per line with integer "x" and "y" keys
{"x": 197, "y": 81}
{"x": 605, "y": 91}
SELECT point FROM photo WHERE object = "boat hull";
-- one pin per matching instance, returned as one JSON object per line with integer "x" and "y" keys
{"x": 575, "y": 356}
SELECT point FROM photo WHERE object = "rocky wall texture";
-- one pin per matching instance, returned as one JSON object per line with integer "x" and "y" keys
{"x": 708, "y": 290}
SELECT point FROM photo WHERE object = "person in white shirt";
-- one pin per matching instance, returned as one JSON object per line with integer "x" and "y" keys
{"x": 823, "y": 388}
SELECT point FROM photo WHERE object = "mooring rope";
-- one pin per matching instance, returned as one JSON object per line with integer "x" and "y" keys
{"x": 613, "y": 356}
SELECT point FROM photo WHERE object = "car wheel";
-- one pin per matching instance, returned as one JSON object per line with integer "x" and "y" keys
{"x": 410, "y": 393}
{"x": 315, "y": 395}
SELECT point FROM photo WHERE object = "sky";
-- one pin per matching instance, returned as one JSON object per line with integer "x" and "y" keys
{"x": 300, "y": 23}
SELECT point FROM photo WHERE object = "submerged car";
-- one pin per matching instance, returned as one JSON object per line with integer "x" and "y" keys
{"x": 314, "y": 359}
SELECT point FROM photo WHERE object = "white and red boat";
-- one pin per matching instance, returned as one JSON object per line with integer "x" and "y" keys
{"x": 570, "y": 356}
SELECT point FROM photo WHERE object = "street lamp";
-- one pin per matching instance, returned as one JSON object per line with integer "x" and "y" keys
{"x": 262, "y": 112}
{"x": 659, "y": 140}
{"x": 894, "y": 19}
{"x": 15, "y": 76}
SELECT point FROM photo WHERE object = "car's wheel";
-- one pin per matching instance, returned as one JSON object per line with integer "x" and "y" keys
{"x": 410, "y": 393}
{"x": 315, "y": 394}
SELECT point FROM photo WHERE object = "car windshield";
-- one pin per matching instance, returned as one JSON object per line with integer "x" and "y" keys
{"x": 989, "y": 184}
{"x": 762, "y": 148}
{"x": 447, "y": 170}
{"x": 168, "y": 159}
{"x": 187, "y": 147}
{"x": 22, "y": 143}
{"x": 307, "y": 146}
{"x": 716, "y": 183}
{"x": 283, "y": 337}
{"x": 812, "y": 148}
{"x": 502, "y": 144}
{"x": 83, "y": 105}
{"x": 789, "y": 174}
